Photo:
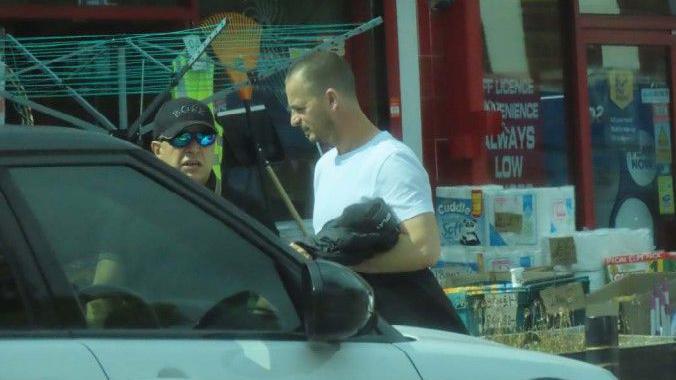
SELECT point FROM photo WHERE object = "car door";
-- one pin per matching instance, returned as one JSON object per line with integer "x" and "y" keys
{"x": 31, "y": 348}
{"x": 172, "y": 282}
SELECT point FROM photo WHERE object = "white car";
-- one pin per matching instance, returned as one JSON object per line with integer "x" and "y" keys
{"x": 115, "y": 266}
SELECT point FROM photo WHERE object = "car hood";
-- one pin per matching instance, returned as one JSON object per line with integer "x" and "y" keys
{"x": 433, "y": 352}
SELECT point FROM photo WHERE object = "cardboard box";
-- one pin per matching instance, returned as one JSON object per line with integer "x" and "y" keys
{"x": 619, "y": 266}
{"x": 629, "y": 298}
{"x": 446, "y": 273}
{"x": 530, "y": 276}
{"x": 498, "y": 307}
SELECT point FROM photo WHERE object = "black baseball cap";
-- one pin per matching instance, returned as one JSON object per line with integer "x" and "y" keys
{"x": 178, "y": 114}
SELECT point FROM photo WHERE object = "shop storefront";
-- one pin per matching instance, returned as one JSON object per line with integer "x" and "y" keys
{"x": 510, "y": 92}
{"x": 544, "y": 107}
{"x": 583, "y": 90}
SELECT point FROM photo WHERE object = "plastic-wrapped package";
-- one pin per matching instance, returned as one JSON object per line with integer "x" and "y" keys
{"x": 512, "y": 217}
{"x": 461, "y": 214}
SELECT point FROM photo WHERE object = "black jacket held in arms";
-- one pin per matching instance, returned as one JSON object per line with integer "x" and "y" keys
{"x": 366, "y": 229}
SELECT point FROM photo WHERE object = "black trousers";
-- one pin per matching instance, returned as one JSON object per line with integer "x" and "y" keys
{"x": 415, "y": 299}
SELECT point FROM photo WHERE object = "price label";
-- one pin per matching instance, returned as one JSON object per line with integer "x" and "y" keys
{"x": 508, "y": 222}
{"x": 566, "y": 297}
{"x": 562, "y": 250}
{"x": 500, "y": 311}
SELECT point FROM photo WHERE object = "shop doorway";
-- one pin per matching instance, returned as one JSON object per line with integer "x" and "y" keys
{"x": 628, "y": 92}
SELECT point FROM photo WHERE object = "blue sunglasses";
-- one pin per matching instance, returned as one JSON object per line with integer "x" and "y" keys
{"x": 184, "y": 139}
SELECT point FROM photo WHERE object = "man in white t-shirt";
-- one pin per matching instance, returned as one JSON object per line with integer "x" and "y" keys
{"x": 367, "y": 163}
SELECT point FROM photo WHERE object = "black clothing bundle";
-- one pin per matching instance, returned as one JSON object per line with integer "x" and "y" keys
{"x": 408, "y": 298}
{"x": 359, "y": 233}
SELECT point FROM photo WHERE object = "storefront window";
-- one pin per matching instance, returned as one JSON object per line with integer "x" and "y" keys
{"x": 523, "y": 79}
{"x": 629, "y": 102}
{"x": 629, "y": 7}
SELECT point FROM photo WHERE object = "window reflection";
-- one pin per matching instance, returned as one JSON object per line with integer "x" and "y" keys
{"x": 154, "y": 259}
{"x": 523, "y": 79}
{"x": 628, "y": 7}
{"x": 630, "y": 124}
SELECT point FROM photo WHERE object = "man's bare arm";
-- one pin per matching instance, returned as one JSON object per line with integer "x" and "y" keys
{"x": 418, "y": 248}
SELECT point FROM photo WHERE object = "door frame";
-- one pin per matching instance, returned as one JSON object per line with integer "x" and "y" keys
{"x": 609, "y": 30}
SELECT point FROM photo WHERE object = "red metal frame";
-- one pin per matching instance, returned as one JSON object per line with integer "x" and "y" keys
{"x": 614, "y": 30}
{"x": 582, "y": 132}
{"x": 625, "y": 37}
{"x": 188, "y": 12}
{"x": 359, "y": 52}
{"x": 392, "y": 57}
{"x": 451, "y": 75}
{"x": 663, "y": 23}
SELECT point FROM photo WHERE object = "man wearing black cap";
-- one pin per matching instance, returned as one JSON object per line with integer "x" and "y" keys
{"x": 184, "y": 137}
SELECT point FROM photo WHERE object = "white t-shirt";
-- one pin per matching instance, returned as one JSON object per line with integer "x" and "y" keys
{"x": 383, "y": 167}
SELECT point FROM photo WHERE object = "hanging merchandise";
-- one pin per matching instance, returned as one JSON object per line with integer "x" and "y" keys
{"x": 665, "y": 189}
{"x": 662, "y": 126}
{"x": 621, "y": 87}
{"x": 198, "y": 83}
{"x": 631, "y": 148}
{"x": 80, "y": 67}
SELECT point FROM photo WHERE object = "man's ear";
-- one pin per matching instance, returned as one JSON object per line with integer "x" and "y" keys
{"x": 331, "y": 98}
{"x": 156, "y": 147}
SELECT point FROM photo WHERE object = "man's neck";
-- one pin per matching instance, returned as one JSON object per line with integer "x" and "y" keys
{"x": 358, "y": 131}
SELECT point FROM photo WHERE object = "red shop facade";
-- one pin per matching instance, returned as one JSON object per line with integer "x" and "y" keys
{"x": 543, "y": 93}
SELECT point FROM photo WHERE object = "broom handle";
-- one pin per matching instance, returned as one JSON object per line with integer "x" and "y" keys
{"x": 285, "y": 197}
{"x": 161, "y": 97}
{"x": 260, "y": 155}
{"x": 263, "y": 163}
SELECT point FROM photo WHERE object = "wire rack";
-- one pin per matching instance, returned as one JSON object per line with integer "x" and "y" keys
{"x": 99, "y": 65}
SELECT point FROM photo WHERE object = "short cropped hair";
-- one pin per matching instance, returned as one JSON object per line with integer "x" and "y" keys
{"x": 324, "y": 69}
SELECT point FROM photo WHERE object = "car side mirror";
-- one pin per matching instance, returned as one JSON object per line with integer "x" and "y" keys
{"x": 337, "y": 302}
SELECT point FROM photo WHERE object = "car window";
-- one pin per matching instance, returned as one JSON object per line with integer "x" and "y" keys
{"x": 12, "y": 310}
{"x": 140, "y": 255}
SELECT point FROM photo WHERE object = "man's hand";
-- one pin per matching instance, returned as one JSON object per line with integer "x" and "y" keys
{"x": 418, "y": 248}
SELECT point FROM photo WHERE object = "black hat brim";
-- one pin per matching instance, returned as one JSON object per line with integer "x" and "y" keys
{"x": 175, "y": 129}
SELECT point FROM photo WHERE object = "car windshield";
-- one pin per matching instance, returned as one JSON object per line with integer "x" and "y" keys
{"x": 139, "y": 255}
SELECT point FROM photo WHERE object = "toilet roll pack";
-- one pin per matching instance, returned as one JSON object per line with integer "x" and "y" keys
{"x": 455, "y": 260}
{"x": 492, "y": 216}
{"x": 526, "y": 227}
{"x": 556, "y": 210}
{"x": 502, "y": 259}
{"x": 512, "y": 218}
{"x": 461, "y": 214}
{"x": 520, "y": 217}
{"x": 506, "y": 226}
